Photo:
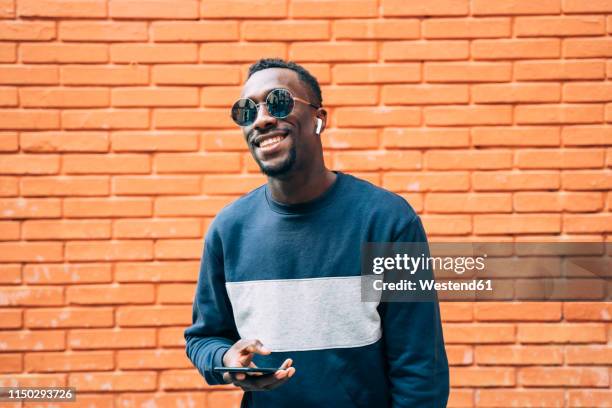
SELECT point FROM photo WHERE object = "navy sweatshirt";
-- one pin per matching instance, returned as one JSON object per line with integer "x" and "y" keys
{"x": 289, "y": 275}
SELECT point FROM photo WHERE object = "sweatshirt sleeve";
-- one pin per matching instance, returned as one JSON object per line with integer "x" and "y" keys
{"x": 213, "y": 329}
{"x": 414, "y": 344}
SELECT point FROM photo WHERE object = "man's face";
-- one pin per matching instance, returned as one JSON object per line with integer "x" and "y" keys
{"x": 280, "y": 146}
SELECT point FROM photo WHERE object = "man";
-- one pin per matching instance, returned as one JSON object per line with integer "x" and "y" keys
{"x": 279, "y": 284}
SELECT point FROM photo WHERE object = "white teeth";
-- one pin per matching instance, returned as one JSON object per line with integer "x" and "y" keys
{"x": 272, "y": 140}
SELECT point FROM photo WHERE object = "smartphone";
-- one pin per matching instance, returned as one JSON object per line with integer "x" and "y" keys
{"x": 260, "y": 370}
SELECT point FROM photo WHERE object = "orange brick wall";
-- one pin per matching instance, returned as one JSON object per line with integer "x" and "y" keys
{"x": 492, "y": 117}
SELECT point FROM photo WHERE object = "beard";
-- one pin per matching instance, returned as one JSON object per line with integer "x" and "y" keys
{"x": 280, "y": 169}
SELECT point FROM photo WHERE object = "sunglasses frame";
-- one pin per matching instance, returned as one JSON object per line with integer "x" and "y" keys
{"x": 294, "y": 98}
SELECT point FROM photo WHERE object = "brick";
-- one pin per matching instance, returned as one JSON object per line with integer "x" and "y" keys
{"x": 587, "y": 223}
{"x": 588, "y": 355}
{"x": 516, "y": 49}
{"x": 564, "y": 377}
{"x": 152, "y": 359}
{"x": 556, "y": 70}
{"x": 467, "y": 28}
{"x": 192, "y": 118}
{"x": 105, "y": 119}
{"x": 554, "y": 158}
{"x": 517, "y": 224}
{"x": 225, "y": 398}
{"x": 178, "y": 249}
{"x": 38, "y": 142}
{"x": 587, "y": 92}
{"x": 587, "y": 47}
{"x": 69, "y": 361}
{"x": 593, "y": 6}
{"x": 132, "y": 141}
{"x": 29, "y": 119}
{"x": 378, "y": 116}
{"x": 392, "y": 29}
{"x": 241, "y": 52}
{"x": 11, "y": 318}
{"x": 221, "y": 96}
{"x": 62, "y": 8}
{"x": 8, "y": 96}
{"x": 456, "y": 312}
{"x": 63, "y": 97}
{"x": 471, "y": 376}
{"x": 116, "y": 381}
{"x": 171, "y": 337}
{"x": 424, "y": 138}
{"x": 285, "y": 30}
{"x": 496, "y": 397}
{"x": 67, "y": 273}
{"x": 515, "y": 136}
{"x": 9, "y": 231}
{"x": 9, "y": 187}
{"x": 588, "y": 398}
{"x": 349, "y": 139}
{"x": 467, "y": 159}
{"x": 232, "y": 184}
{"x": 350, "y": 95}
{"x": 7, "y": 9}
{"x": 195, "y": 31}
{"x": 559, "y": 26}
{"x": 27, "y": 30}
{"x": 196, "y": 75}
{"x": 35, "y": 296}
{"x": 376, "y": 73}
{"x": 29, "y": 164}
{"x": 579, "y": 311}
{"x": 153, "y": 53}
{"x": 561, "y": 333}
{"x": 30, "y": 208}
{"x": 425, "y": 50}
{"x": 468, "y": 115}
{"x": 512, "y": 7}
{"x": 552, "y": 114}
{"x": 153, "y": 9}
{"x": 447, "y": 225}
{"x": 558, "y": 202}
{"x": 467, "y": 72}
{"x": 341, "y": 51}
{"x": 424, "y": 94}
{"x": 26, "y": 340}
{"x": 64, "y": 186}
{"x": 190, "y": 206}
{"x": 333, "y": 9}
{"x": 128, "y": 250}
{"x": 586, "y": 180}
{"x": 513, "y": 93}
{"x": 378, "y": 160}
{"x": 197, "y": 163}
{"x": 174, "y": 399}
{"x": 178, "y": 271}
{"x": 108, "y": 207}
{"x": 130, "y": 316}
{"x": 91, "y": 339}
{"x": 63, "y": 53}
{"x": 475, "y": 333}
{"x": 9, "y": 141}
{"x": 177, "y": 293}
{"x": 10, "y": 274}
{"x": 42, "y": 229}
{"x": 468, "y": 203}
{"x": 523, "y": 311}
{"x": 8, "y": 52}
{"x": 33, "y": 380}
{"x": 159, "y": 96}
{"x": 426, "y": 181}
{"x": 160, "y": 228}
{"x": 190, "y": 379}
{"x": 104, "y": 75}
{"x": 440, "y": 8}
{"x": 143, "y": 185}
{"x": 31, "y": 252}
{"x": 11, "y": 363}
{"x": 110, "y": 294}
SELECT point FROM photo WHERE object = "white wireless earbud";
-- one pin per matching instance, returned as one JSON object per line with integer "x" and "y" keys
{"x": 319, "y": 126}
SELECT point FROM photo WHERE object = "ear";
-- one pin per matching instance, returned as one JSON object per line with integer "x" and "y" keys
{"x": 321, "y": 121}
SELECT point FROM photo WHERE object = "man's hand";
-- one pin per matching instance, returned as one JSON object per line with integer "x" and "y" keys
{"x": 241, "y": 355}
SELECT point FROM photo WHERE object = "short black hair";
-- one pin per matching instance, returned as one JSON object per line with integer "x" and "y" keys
{"x": 302, "y": 72}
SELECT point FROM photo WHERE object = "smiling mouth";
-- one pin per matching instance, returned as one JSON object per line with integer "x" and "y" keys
{"x": 268, "y": 142}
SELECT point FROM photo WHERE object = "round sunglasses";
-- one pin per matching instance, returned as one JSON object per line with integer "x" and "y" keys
{"x": 279, "y": 102}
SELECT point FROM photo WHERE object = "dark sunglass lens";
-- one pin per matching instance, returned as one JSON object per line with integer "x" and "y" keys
{"x": 244, "y": 112}
{"x": 280, "y": 103}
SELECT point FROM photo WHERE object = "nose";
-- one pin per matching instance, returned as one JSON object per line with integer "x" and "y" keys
{"x": 264, "y": 120}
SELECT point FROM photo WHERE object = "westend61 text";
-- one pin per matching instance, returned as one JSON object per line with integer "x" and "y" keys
{"x": 430, "y": 284}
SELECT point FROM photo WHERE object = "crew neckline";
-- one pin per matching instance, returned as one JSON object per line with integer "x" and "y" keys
{"x": 321, "y": 201}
